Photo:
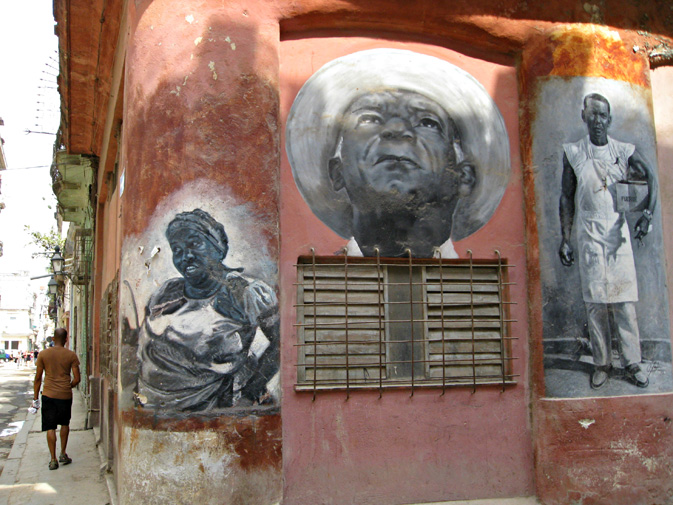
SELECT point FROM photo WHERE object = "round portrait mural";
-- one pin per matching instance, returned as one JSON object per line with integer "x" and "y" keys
{"x": 398, "y": 150}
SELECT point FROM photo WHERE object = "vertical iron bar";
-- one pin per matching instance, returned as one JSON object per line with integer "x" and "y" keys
{"x": 379, "y": 274}
{"x": 474, "y": 364}
{"x": 441, "y": 298}
{"x": 315, "y": 326}
{"x": 502, "y": 319}
{"x": 411, "y": 318}
{"x": 348, "y": 375}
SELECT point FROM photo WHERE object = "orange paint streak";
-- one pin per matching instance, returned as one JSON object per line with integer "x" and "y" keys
{"x": 593, "y": 51}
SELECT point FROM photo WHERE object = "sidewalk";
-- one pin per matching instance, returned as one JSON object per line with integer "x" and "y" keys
{"x": 27, "y": 480}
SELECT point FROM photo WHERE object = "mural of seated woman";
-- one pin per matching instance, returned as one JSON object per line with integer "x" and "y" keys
{"x": 209, "y": 339}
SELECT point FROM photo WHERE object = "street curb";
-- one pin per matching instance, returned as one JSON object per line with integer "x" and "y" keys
{"x": 11, "y": 468}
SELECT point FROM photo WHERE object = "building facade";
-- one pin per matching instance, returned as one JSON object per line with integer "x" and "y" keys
{"x": 17, "y": 334}
{"x": 372, "y": 252}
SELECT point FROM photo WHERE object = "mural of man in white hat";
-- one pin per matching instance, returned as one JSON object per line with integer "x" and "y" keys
{"x": 398, "y": 150}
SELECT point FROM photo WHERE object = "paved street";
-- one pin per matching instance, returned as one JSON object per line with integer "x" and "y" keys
{"x": 25, "y": 478}
{"x": 16, "y": 390}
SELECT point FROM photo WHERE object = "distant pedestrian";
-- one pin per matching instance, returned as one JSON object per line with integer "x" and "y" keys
{"x": 57, "y": 362}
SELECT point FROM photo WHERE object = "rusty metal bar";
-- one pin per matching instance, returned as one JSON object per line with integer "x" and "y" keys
{"x": 502, "y": 317}
{"x": 468, "y": 359}
{"x": 474, "y": 366}
{"x": 411, "y": 313}
{"x": 454, "y": 263}
{"x": 375, "y": 321}
{"x": 441, "y": 302}
{"x": 315, "y": 329}
{"x": 379, "y": 274}
{"x": 348, "y": 375}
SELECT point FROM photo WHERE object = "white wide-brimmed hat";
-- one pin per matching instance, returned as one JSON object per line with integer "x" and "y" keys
{"x": 314, "y": 123}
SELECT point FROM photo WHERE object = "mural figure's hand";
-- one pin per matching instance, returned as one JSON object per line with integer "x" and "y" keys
{"x": 566, "y": 254}
{"x": 642, "y": 227}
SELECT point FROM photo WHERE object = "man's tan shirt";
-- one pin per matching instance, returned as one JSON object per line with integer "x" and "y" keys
{"x": 57, "y": 363}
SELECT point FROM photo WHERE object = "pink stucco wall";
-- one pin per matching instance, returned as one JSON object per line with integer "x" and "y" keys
{"x": 401, "y": 449}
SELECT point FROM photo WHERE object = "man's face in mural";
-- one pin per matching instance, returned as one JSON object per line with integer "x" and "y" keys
{"x": 596, "y": 115}
{"x": 194, "y": 256}
{"x": 394, "y": 142}
{"x": 397, "y": 158}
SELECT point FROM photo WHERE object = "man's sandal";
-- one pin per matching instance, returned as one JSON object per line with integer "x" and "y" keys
{"x": 53, "y": 464}
{"x": 64, "y": 459}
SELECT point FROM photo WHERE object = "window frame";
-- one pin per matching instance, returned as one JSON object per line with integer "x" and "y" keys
{"x": 305, "y": 310}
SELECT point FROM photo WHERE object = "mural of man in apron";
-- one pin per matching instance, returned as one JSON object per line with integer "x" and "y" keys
{"x": 592, "y": 167}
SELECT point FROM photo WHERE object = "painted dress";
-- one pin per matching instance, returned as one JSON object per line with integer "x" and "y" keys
{"x": 606, "y": 263}
{"x": 197, "y": 354}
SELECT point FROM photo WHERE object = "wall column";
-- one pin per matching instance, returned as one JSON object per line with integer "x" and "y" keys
{"x": 198, "y": 403}
{"x": 613, "y": 444}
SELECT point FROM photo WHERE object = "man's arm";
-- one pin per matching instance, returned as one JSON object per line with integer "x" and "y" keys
{"x": 76, "y": 378}
{"x": 567, "y": 211}
{"x": 643, "y": 170}
{"x": 37, "y": 383}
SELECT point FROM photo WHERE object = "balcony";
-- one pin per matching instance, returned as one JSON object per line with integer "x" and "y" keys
{"x": 72, "y": 177}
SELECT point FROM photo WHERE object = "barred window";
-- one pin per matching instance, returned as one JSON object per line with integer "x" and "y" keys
{"x": 380, "y": 323}
{"x": 108, "y": 331}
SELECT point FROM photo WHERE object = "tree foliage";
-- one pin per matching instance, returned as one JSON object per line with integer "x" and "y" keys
{"x": 46, "y": 241}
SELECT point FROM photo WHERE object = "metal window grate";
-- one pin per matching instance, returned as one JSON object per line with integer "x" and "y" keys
{"x": 82, "y": 256}
{"x": 402, "y": 322}
{"x": 108, "y": 322}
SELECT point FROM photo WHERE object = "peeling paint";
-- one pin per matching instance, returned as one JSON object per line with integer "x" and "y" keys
{"x": 585, "y": 423}
{"x": 197, "y": 40}
{"x": 211, "y": 66}
{"x": 189, "y": 19}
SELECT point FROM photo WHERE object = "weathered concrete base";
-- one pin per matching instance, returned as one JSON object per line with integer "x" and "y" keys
{"x": 159, "y": 467}
{"x": 522, "y": 500}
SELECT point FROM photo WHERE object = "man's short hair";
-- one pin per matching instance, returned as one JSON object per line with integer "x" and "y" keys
{"x": 61, "y": 334}
{"x": 598, "y": 97}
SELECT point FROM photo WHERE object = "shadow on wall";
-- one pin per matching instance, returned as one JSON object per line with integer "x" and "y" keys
{"x": 200, "y": 132}
{"x": 206, "y": 136}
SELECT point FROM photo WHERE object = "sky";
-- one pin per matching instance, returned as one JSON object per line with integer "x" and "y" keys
{"x": 28, "y": 101}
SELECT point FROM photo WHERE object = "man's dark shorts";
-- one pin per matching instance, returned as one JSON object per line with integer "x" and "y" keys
{"x": 55, "y": 412}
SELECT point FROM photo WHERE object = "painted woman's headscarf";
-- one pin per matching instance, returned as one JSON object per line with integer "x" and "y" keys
{"x": 199, "y": 220}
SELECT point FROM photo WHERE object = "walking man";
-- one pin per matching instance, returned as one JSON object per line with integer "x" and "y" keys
{"x": 591, "y": 168}
{"x": 57, "y": 362}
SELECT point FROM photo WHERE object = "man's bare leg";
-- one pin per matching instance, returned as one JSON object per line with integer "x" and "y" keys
{"x": 51, "y": 442}
{"x": 65, "y": 431}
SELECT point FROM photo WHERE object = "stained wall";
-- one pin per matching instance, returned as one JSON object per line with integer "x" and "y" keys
{"x": 200, "y": 151}
{"x": 379, "y": 446}
{"x": 208, "y": 90}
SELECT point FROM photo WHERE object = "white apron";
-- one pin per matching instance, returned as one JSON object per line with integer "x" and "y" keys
{"x": 605, "y": 256}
